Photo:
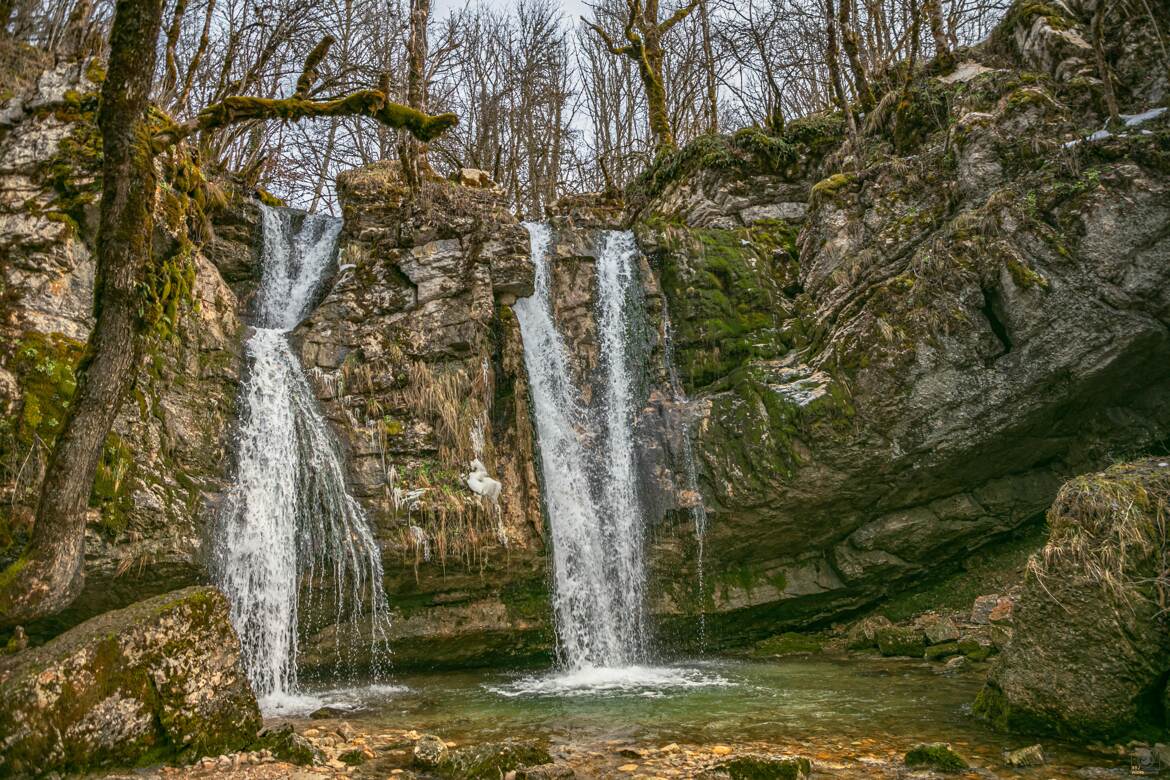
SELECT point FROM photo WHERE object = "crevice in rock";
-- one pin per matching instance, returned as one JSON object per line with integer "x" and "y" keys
{"x": 993, "y": 311}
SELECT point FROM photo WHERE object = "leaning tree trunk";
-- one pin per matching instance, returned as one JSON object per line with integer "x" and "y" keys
{"x": 50, "y": 574}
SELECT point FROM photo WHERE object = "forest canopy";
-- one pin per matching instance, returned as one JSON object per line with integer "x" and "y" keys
{"x": 545, "y": 106}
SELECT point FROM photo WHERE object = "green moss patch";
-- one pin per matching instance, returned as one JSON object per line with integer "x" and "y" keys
{"x": 937, "y": 756}
{"x": 725, "y": 290}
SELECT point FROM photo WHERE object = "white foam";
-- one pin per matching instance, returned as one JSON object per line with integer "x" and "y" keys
{"x": 345, "y": 699}
{"x": 606, "y": 680}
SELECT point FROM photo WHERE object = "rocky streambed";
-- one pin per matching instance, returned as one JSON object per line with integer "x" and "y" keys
{"x": 830, "y": 716}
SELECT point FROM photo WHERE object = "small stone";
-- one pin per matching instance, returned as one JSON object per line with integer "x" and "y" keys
{"x": 671, "y": 748}
{"x": 346, "y": 731}
{"x": 311, "y": 733}
{"x": 1033, "y": 755}
{"x": 956, "y": 665}
{"x": 429, "y": 751}
{"x": 942, "y": 632}
{"x": 721, "y": 750}
{"x": 326, "y": 713}
{"x": 982, "y": 608}
{"x": 628, "y": 768}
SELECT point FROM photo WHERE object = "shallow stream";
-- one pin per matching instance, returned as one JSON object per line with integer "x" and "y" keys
{"x": 844, "y": 713}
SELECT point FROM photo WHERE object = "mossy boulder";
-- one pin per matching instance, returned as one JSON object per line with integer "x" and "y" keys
{"x": 493, "y": 760}
{"x": 1090, "y": 651}
{"x": 160, "y": 680}
{"x": 761, "y": 767}
{"x": 900, "y": 641}
{"x": 937, "y": 756}
{"x": 941, "y": 652}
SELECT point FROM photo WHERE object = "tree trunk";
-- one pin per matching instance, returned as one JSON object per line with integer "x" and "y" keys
{"x": 412, "y": 152}
{"x": 50, "y": 574}
{"x": 942, "y": 50}
{"x": 849, "y": 43}
{"x": 650, "y": 67}
{"x": 709, "y": 61}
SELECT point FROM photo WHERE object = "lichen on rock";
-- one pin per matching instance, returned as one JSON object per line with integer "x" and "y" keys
{"x": 160, "y": 680}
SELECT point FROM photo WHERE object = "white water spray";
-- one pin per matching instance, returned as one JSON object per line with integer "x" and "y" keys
{"x": 587, "y": 462}
{"x": 292, "y": 539}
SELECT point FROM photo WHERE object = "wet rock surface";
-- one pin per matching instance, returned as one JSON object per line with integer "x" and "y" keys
{"x": 160, "y": 680}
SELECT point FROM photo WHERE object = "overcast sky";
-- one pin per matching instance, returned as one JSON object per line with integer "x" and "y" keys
{"x": 570, "y": 8}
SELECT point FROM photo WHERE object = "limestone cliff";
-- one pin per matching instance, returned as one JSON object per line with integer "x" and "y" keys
{"x": 974, "y": 307}
{"x": 418, "y": 362}
{"x": 166, "y": 459}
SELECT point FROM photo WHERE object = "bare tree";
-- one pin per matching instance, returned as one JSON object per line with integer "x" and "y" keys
{"x": 644, "y": 34}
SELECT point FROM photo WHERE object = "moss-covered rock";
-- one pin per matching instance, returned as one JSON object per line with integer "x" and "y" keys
{"x": 160, "y": 680}
{"x": 1090, "y": 652}
{"x": 760, "y": 767}
{"x": 902, "y": 641}
{"x": 937, "y": 756}
{"x": 942, "y": 651}
{"x": 491, "y": 761}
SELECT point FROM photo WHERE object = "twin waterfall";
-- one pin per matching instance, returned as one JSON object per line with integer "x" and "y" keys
{"x": 291, "y": 537}
{"x": 587, "y": 462}
{"x": 295, "y": 549}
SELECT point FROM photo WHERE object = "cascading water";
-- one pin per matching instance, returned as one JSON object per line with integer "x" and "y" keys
{"x": 589, "y": 491}
{"x": 291, "y": 537}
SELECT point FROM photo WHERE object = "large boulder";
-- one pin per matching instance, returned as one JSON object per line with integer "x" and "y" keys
{"x": 1090, "y": 651}
{"x": 159, "y": 680}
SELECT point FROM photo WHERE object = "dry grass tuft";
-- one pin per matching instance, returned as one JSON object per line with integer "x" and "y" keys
{"x": 1111, "y": 526}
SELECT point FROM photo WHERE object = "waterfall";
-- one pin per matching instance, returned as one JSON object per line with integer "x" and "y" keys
{"x": 587, "y": 464}
{"x": 291, "y": 538}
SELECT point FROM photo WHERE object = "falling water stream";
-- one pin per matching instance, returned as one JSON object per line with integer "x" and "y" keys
{"x": 292, "y": 540}
{"x": 589, "y": 480}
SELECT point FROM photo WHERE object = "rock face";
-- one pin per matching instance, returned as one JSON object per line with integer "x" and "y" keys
{"x": 1090, "y": 650}
{"x": 164, "y": 463}
{"x": 418, "y": 363}
{"x": 978, "y": 312}
{"x": 159, "y": 680}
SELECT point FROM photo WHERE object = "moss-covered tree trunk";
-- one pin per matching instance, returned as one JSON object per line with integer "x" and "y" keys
{"x": 49, "y": 574}
{"x": 942, "y": 49}
{"x": 411, "y": 152}
{"x": 645, "y": 33}
{"x": 650, "y": 68}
